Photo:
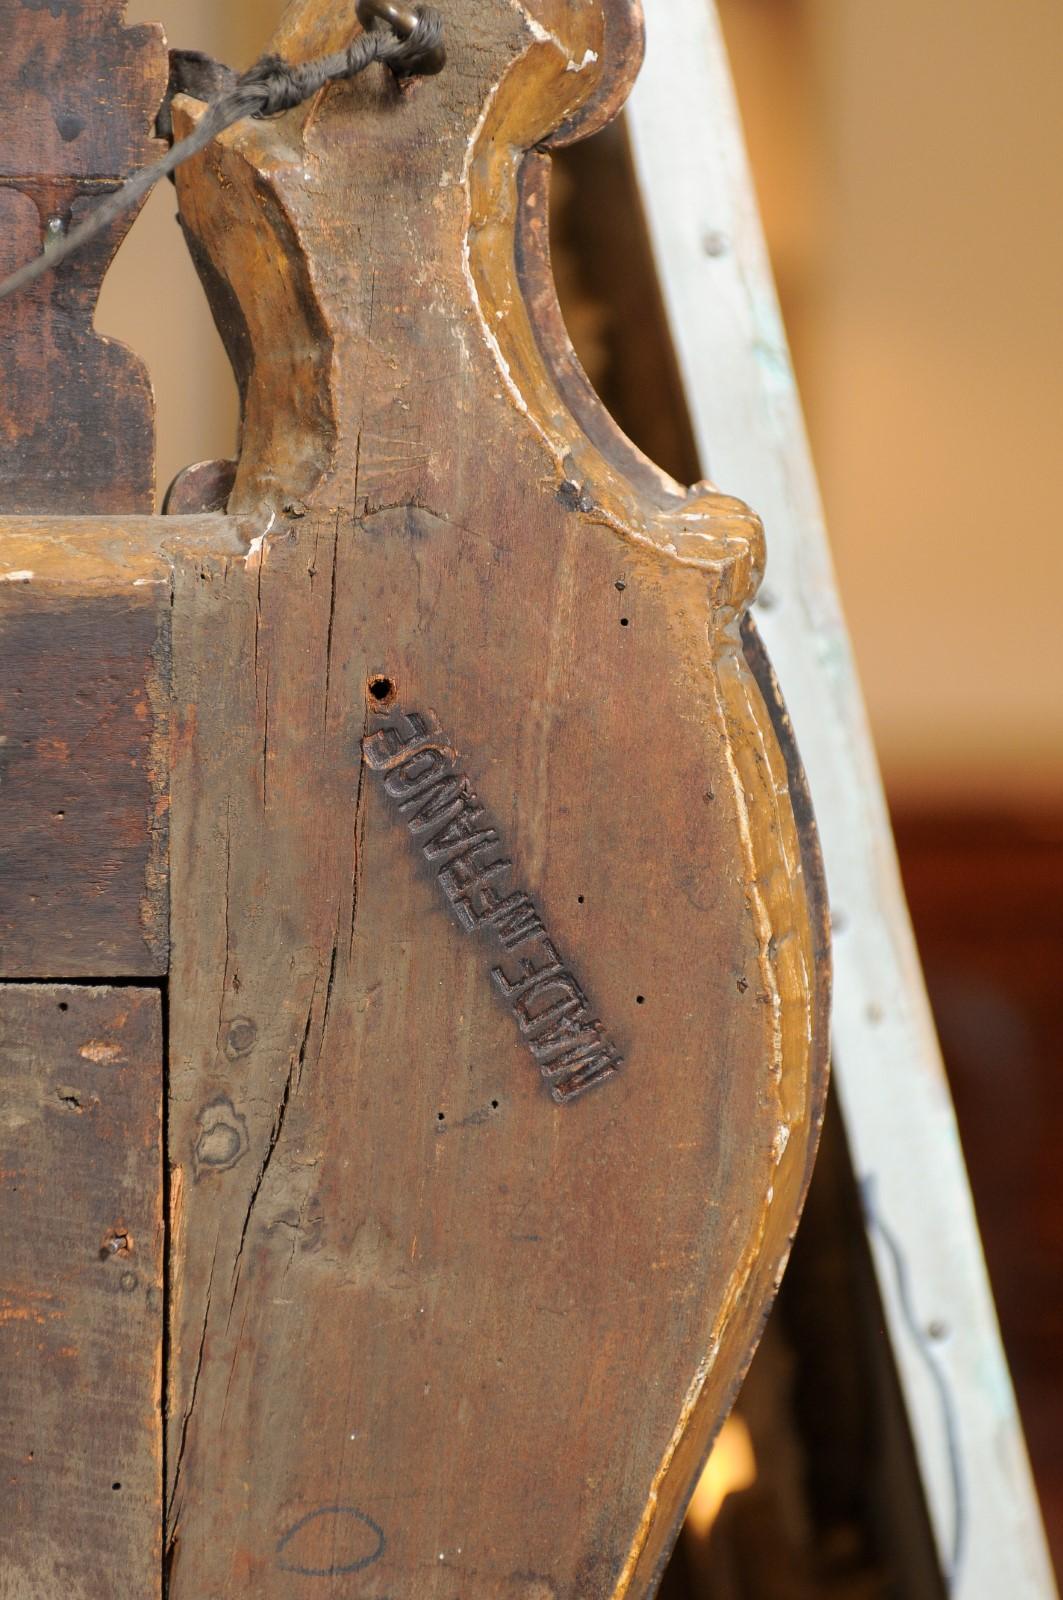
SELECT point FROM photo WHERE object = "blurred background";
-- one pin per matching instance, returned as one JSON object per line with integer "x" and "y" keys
{"x": 906, "y": 159}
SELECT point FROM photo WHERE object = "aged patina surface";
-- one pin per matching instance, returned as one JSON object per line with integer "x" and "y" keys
{"x": 435, "y": 1327}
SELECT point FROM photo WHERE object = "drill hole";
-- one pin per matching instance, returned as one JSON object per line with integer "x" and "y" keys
{"x": 381, "y": 689}
{"x": 640, "y": 999}
{"x": 623, "y": 622}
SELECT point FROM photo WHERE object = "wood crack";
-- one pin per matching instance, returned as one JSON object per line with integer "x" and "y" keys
{"x": 265, "y": 689}
{"x": 274, "y": 1137}
{"x": 301, "y": 1057}
{"x": 265, "y": 742}
{"x": 186, "y": 1419}
{"x": 328, "y": 997}
{"x": 365, "y": 372}
{"x": 359, "y": 836}
{"x": 228, "y": 932}
{"x": 328, "y": 634}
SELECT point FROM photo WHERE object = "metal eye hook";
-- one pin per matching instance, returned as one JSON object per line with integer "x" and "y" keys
{"x": 404, "y": 21}
{"x": 401, "y": 18}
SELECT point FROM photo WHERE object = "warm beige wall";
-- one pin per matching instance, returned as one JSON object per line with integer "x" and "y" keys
{"x": 909, "y": 160}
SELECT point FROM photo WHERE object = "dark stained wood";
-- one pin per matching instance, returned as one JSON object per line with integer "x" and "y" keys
{"x": 84, "y": 702}
{"x": 204, "y": 486}
{"x": 440, "y": 1327}
{"x": 81, "y": 1255}
{"x": 76, "y": 409}
{"x": 485, "y": 1153}
{"x": 85, "y": 619}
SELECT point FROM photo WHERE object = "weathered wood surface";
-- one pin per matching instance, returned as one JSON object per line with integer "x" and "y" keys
{"x": 439, "y": 1328}
{"x": 81, "y": 1312}
{"x": 84, "y": 703}
{"x": 76, "y": 409}
{"x": 85, "y": 667}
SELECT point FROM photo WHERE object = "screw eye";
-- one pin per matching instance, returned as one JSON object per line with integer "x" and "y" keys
{"x": 403, "y": 20}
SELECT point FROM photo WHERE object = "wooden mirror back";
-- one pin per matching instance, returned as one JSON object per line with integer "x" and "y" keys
{"x": 496, "y": 972}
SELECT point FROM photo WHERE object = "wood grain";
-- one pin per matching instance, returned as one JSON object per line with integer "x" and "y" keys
{"x": 84, "y": 686}
{"x": 433, "y": 1331}
{"x": 81, "y": 1297}
{"x": 77, "y": 411}
{"x": 85, "y": 631}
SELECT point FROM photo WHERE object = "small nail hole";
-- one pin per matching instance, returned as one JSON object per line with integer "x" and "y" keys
{"x": 640, "y": 999}
{"x": 381, "y": 689}
{"x": 116, "y": 1485}
{"x": 580, "y": 899}
{"x": 494, "y": 1105}
{"x": 441, "y": 1116}
{"x": 623, "y": 622}
{"x": 63, "y": 1006}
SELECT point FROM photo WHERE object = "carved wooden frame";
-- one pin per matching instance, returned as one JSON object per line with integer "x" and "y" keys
{"x": 429, "y": 498}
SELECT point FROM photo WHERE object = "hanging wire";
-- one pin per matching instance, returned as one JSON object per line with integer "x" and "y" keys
{"x": 410, "y": 42}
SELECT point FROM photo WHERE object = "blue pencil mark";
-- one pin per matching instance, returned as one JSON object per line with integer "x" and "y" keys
{"x": 333, "y": 1571}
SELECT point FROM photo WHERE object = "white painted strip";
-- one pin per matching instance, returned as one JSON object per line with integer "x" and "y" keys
{"x": 733, "y": 356}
